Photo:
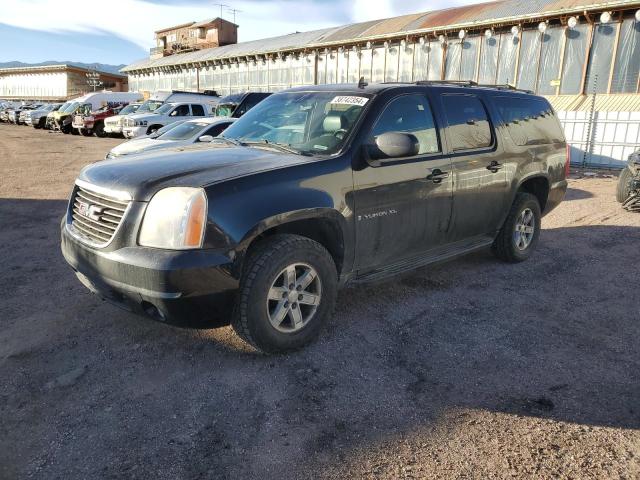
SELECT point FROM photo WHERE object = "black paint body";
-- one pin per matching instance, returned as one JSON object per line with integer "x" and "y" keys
{"x": 374, "y": 220}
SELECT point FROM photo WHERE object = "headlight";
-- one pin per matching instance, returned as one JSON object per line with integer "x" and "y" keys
{"x": 175, "y": 219}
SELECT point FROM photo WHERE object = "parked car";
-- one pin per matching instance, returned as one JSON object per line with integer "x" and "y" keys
{"x": 628, "y": 189}
{"x": 38, "y": 117}
{"x": 187, "y": 133}
{"x": 314, "y": 188}
{"x": 63, "y": 120}
{"x": 145, "y": 123}
{"x": 113, "y": 124}
{"x": 90, "y": 122}
{"x": 238, "y": 104}
{"x": 25, "y": 111}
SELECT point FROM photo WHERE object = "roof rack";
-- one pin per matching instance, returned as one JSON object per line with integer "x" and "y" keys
{"x": 471, "y": 83}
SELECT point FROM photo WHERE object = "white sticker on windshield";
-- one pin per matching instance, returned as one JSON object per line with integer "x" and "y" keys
{"x": 350, "y": 100}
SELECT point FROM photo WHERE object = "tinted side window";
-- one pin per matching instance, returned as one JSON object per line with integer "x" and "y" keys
{"x": 467, "y": 121}
{"x": 410, "y": 114}
{"x": 197, "y": 110}
{"x": 248, "y": 104}
{"x": 180, "y": 111}
{"x": 217, "y": 129}
{"x": 529, "y": 121}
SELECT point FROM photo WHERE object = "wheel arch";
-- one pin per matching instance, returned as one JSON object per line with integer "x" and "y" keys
{"x": 536, "y": 184}
{"x": 323, "y": 225}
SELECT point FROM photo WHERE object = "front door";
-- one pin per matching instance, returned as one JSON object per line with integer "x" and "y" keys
{"x": 479, "y": 168}
{"x": 403, "y": 208}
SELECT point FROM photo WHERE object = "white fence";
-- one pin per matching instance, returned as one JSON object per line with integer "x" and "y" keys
{"x": 613, "y": 136}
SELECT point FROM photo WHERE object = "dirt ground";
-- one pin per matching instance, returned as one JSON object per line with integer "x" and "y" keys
{"x": 473, "y": 369}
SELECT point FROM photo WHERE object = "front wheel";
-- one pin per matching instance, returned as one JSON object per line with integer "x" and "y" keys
{"x": 99, "y": 130}
{"x": 623, "y": 189}
{"x": 519, "y": 235}
{"x": 86, "y": 132}
{"x": 287, "y": 293}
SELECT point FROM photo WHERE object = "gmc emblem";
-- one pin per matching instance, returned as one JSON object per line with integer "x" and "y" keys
{"x": 90, "y": 211}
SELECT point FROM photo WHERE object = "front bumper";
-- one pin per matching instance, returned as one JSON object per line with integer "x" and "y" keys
{"x": 190, "y": 288}
{"x": 133, "y": 132}
{"x": 109, "y": 128}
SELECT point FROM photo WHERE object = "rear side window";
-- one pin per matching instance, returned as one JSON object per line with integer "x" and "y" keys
{"x": 529, "y": 121}
{"x": 468, "y": 123}
{"x": 197, "y": 110}
{"x": 180, "y": 111}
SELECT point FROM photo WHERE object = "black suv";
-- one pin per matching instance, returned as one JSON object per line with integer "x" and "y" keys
{"x": 313, "y": 188}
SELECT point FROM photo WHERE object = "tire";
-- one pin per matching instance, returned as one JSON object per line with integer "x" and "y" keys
{"x": 98, "y": 128}
{"x": 622, "y": 190}
{"x": 513, "y": 248}
{"x": 74, "y": 131}
{"x": 266, "y": 265}
{"x": 86, "y": 132}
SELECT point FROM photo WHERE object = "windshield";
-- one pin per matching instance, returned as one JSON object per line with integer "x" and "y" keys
{"x": 84, "y": 109}
{"x": 68, "y": 107}
{"x": 164, "y": 109}
{"x": 184, "y": 131}
{"x": 309, "y": 122}
{"x": 129, "y": 109}
{"x": 149, "y": 106}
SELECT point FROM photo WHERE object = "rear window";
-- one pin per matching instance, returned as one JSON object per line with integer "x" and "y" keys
{"x": 529, "y": 121}
{"x": 468, "y": 122}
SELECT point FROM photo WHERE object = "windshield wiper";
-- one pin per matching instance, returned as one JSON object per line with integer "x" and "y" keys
{"x": 232, "y": 141}
{"x": 280, "y": 146}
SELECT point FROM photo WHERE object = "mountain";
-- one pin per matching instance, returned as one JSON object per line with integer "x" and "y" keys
{"x": 91, "y": 66}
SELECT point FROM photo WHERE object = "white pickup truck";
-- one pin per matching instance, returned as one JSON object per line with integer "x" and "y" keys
{"x": 146, "y": 123}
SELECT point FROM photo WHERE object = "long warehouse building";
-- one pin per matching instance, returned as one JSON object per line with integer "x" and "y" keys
{"x": 583, "y": 55}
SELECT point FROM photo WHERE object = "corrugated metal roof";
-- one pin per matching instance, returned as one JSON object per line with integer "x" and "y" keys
{"x": 472, "y": 16}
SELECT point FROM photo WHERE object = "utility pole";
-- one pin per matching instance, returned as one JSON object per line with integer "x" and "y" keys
{"x": 221, "y": 5}
{"x": 233, "y": 11}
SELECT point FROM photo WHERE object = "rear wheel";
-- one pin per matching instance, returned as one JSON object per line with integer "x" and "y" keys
{"x": 623, "y": 189}
{"x": 86, "y": 132}
{"x": 287, "y": 293}
{"x": 99, "y": 130}
{"x": 519, "y": 235}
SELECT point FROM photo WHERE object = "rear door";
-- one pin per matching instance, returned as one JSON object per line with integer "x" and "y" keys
{"x": 479, "y": 173}
{"x": 197, "y": 110}
{"x": 403, "y": 208}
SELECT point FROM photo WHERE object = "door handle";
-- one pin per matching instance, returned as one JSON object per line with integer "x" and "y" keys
{"x": 437, "y": 175}
{"x": 494, "y": 166}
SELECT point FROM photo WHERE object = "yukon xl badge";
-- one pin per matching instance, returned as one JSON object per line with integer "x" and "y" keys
{"x": 382, "y": 213}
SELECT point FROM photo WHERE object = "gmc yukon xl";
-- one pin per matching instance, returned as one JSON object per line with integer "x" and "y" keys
{"x": 314, "y": 188}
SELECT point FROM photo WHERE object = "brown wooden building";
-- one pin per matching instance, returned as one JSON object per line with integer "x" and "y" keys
{"x": 215, "y": 32}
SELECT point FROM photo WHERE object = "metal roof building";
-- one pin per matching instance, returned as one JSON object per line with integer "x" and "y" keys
{"x": 567, "y": 50}
{"x": 53, "y": 82}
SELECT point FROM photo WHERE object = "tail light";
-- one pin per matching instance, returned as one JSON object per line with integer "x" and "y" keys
{"x": 567, "y": 164}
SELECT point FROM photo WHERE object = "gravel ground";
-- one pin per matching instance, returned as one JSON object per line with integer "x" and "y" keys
{"x": 473, "y": 369}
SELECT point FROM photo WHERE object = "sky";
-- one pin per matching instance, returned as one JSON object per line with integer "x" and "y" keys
{"x": 121, "y": 31}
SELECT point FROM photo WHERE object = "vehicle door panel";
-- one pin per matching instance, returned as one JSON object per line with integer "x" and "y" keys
{"x": 479, "y": 173}
{"x": 400, "y": 212}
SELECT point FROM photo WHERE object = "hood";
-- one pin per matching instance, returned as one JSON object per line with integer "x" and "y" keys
{"x": 144, "y": 116}
{"x": 195, "y": 166}
{"x": 140, "y": 145}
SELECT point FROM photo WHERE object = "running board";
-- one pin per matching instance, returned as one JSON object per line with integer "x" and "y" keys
{"x": 437, "y": 255}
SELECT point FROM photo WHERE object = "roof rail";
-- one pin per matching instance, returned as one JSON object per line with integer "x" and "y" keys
{"x": 505, "y": 86}
{"x": 471, "y": 83}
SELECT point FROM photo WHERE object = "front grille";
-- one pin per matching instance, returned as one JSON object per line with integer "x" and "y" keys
{"x": 96, "y": 217}
{"x": 128, "y": 122}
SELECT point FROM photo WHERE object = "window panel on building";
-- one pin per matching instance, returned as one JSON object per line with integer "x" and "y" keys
{"x": 343, "y": 66}
{"x": 469, "y": 60}
{"x": 435, "y": 60}
{"x": 575, "y": 55}
{"x": 507, "y": 59}
{"x": 600, "y": 58}
{"x": 627, "y": 67}
{"x": 406, "y": 62}
{"x": 452, "y": 62}
{"x": 549, "y": 67}
{"x": 420, "y": 62}
{"x": 332, "y": 67}
{"x": 391, "y": 69}
{"x": 365, "y": 63}
{"x": 354, "y": 67}
{"x": 529, "y": 57}
{"x": 378, "y": 65}
{"x": 322, "y": 69}
{"x": 489, "y": 60}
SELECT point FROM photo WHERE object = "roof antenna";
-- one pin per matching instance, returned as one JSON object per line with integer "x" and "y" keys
{"x": 362, "y": 83}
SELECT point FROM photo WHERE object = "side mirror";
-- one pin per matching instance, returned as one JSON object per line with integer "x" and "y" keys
{"x": 205, "y": 138}
{"x": 392, "y": 145}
